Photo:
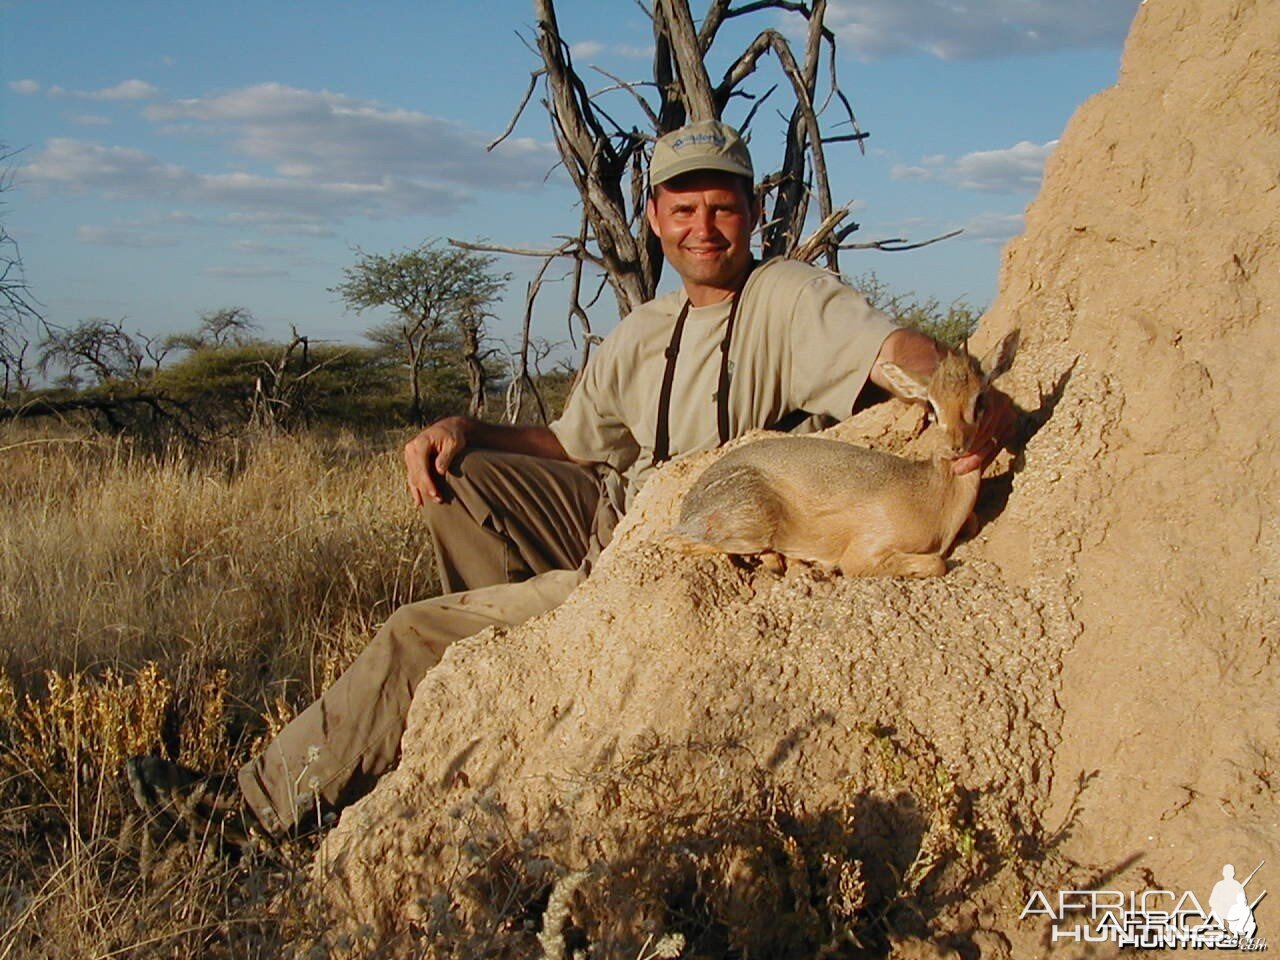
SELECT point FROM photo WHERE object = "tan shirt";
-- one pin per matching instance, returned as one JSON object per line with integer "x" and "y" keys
{"x": 802, "y": 340}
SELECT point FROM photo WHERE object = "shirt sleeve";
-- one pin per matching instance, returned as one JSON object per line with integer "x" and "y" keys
{"x": 836, "y": 336}
{"x": 591, "y": 427}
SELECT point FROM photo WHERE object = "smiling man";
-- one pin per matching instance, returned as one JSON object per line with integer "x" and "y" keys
{"x": 519, "y": 514}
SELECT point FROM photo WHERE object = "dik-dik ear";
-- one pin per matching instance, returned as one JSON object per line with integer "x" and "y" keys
{"x": 1000, "y": 358}
{"x": 905, "y": 385}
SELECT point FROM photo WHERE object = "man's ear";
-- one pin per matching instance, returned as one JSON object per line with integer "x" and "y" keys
{"x": 651, "y": 211}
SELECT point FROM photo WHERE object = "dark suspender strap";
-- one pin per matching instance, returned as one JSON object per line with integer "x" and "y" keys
{"x": 662, "y": 442}
{"x": 722, "y": 389}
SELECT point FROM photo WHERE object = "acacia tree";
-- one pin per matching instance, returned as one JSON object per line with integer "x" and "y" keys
{"x": 606, "y": 150}
{"x": 431, "y": 289}
{"x": 223, "y": 327}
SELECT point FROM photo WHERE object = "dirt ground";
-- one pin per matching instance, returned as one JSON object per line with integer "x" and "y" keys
{"x": 887, "y": 767}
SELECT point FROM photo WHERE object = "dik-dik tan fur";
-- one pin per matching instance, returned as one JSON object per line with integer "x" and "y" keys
{"x": 863, "y": 512}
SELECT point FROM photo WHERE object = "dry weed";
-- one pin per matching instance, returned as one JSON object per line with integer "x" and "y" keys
{"x": 182, "y": 603}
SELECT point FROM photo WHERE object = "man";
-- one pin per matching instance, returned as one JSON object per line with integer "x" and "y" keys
{"x": 518, "y": 514}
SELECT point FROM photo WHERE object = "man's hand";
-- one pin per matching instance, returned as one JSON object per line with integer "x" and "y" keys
{"x": 995, "y": 429}
{"x": 428, "y": 455}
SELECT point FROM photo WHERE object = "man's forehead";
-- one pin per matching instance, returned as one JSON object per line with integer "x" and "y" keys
{"x": 691, "y": 186}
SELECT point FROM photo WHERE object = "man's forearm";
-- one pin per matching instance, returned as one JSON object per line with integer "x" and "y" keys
{"x": 909, "y": 349}
{"x": 537, "y": 441}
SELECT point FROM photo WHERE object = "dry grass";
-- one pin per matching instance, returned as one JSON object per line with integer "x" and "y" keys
{"x": 266, "y": 556}
{"x": 185, "y": 603}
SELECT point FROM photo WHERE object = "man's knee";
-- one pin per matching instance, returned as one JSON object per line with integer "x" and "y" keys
{"x": 413, "y": 639}
{"x": 468, "y": 489}
{"x": 476, "y": 465}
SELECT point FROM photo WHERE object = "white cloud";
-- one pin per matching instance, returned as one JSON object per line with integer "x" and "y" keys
{"x": 589, "y": 49}
{"x": 1016, "y": 169}
{"x": 77, "y": 166}
{"x": 121, "y": 172}
{"x": 128, "y": 90}
{"x": 280, "y": 224}
{"x": 244, "y": 272}
{"x": 259, "y": 248}
{"x": 323, "y": 136}
{"x": 951, "y": 30}
{"x": 125, "y": 90}
{"x": 307, "y": 160}
{"x": 121, "y": 237}
{"x": 903, "y": 171}
{"x": 24, "y": 87}
{"x": 994, "y": 228}
{"x": 178, "y": 216}
{"x": 634, "y": 52}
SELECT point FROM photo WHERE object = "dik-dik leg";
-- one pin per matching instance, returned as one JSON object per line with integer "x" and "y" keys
{"x": 892, "y": 564}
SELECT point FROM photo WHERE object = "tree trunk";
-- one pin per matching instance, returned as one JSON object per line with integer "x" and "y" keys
{"x": 415, "y": 384}
{"x": 477, "y": 378}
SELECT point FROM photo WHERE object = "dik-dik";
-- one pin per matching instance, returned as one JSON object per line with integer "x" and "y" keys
{"x": 863, "y": 512}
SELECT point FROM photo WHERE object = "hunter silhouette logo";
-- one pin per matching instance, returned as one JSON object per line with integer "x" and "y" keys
{"x": 1229, "y": 904}
{"x": 1156, "y": 919}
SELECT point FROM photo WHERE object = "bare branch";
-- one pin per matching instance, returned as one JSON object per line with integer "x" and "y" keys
{"x": 524, "y": 102}
{"x": 631, "y": 89}
{"x": 818, "y": 241}
{"x": 853, "y": 121}
{"x": 711, "y": 22}
{"x": 898, "y": 244}
{"x": 746, "y": 124}
{"x": 563, "y": 250}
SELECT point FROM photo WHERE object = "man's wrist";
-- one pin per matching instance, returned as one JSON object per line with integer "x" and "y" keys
{"x": 458, "y": 422}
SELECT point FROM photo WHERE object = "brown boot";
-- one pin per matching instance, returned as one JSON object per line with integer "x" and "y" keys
{"x": 182, "y": 804}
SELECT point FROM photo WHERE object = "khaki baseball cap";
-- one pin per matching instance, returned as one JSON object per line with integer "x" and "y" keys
{"x": 705, "y": 145}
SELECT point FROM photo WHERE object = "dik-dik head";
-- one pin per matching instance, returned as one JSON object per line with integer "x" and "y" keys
{"x": 956, "y": 392}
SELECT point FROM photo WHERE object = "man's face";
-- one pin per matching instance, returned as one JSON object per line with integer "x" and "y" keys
{"x": 704, "y": 221}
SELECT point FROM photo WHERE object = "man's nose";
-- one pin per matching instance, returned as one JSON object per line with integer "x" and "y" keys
{"x": 705, "y": 222}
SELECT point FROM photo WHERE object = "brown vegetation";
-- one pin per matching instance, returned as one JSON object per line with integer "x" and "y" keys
{"x": 185, "y": 603}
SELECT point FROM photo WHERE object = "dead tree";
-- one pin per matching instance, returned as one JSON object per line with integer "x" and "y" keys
{"x": 98, "y": 349}
{"x": 280, "y": 387}
{"x": 607, "y": 159}
{"x": 17, "y": 306}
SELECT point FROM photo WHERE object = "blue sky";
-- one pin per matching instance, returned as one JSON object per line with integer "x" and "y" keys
{"x": 180, "y": 157}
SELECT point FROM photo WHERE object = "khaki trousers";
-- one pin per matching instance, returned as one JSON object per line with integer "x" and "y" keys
{"x": 510, "y": 544}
